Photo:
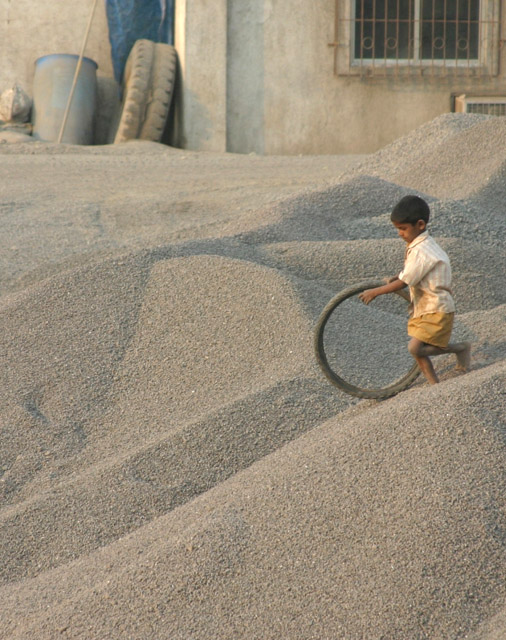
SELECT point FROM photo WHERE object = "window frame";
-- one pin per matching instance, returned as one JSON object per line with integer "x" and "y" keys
{"x": 487, "y": 62}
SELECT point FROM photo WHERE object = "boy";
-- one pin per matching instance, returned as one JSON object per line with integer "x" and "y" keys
{"x": 427, "y": 273}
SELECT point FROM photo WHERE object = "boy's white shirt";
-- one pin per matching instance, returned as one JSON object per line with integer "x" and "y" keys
{"x": 428, "y": 274}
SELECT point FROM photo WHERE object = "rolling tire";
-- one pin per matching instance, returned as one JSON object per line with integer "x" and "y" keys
{"x": 160, "y": 92}
{"x": 378, "y": 393}
{"x": 136, "y": 82}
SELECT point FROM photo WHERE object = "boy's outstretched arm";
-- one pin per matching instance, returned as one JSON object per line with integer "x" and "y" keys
{"x": 394, "y": 284}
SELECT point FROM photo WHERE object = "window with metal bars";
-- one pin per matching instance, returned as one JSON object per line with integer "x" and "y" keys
{"x": 429, "y": 34}
{"x": 417, "y": 29}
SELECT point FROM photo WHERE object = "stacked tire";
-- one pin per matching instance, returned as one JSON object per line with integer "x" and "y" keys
{"x": 148, "y": 87}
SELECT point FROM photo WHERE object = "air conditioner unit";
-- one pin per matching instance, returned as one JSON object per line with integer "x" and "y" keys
{"x": 487, "y": 105}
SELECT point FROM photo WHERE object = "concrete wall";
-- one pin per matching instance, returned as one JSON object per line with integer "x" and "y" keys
{"x": 281, "y": 94}
{"x": 200, "y": 39}
{"x": 308, "y": 109}
{"x": 245, "y": 77}
{"x": 31, "y": 29}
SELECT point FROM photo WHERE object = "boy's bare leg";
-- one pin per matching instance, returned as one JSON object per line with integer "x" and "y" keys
{"x": 417, "y": 350}
{"x": 421, "y": 352}
{"x": 427, "y": 369}
{"x": 462, "y": 350}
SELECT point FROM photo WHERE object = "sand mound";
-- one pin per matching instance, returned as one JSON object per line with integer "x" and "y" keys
{"x": 186, "y": 350}
{"x": 123, "y": 492}
{"x": 441, "y": 157}
{"x": 478, "y": 271}
{"x": 340, "y": 212}
{"x": 63, "y": 205}
{"x": 367, "y": 515}
{"x": 144, "y": 340}
{"x": 173, "y": 463}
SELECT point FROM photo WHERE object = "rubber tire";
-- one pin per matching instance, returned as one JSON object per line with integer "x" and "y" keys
{"x": 353, "y": 390}
{"x": 136, "y": 82}
{"x": 160, "y": 92}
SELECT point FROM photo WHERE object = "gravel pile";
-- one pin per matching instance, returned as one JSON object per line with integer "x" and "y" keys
{"x": 173, "y": 463}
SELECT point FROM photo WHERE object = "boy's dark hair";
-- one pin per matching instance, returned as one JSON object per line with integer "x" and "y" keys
{"x": 410, "y": 209}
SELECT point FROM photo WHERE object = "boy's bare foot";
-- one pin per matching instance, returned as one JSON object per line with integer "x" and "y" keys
{"x": 464, "y": 357}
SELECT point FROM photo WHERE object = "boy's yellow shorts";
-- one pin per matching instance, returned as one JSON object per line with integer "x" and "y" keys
{"x": 432, "y": 328}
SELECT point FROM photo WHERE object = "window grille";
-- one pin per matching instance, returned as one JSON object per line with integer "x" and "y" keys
{"x": 427, "y": 36}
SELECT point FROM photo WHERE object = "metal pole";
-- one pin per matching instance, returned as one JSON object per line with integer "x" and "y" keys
{"x": 76, "y": 74}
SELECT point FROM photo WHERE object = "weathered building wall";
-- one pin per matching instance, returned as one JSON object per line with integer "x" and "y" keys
{"x": 200, "y": 38}
{"x": 281, "y": 93}
{"x": 245, "y": 77}
{"x": 29, "y": 30}
{"x": 308, "y": 109}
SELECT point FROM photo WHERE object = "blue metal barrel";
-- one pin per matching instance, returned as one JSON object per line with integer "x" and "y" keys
{"x": 52, "y": 83}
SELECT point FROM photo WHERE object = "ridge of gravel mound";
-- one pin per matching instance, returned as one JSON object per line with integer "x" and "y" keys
{"x": 440, "y": 157}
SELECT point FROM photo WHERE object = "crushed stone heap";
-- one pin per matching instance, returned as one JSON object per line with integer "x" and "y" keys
{"x": 173, "y": 463}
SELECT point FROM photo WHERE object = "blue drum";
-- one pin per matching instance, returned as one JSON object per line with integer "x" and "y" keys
{"x": 52, "y": 84}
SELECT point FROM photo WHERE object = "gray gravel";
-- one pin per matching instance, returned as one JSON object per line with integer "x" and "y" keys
{"x": 173, "y": 463}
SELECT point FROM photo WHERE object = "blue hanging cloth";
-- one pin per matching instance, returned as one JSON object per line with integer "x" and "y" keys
{"x": 131, "y": 20}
